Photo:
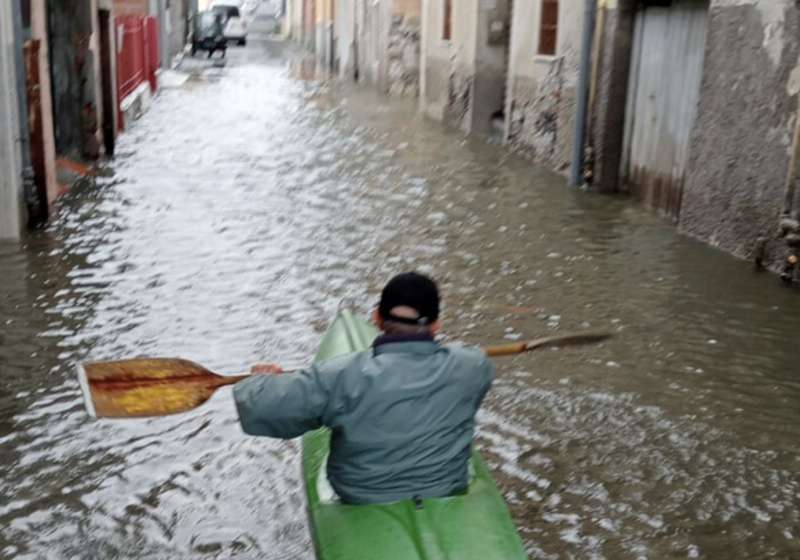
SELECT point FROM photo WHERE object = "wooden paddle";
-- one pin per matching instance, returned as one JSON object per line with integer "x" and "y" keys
{"x": 146, "y": 387}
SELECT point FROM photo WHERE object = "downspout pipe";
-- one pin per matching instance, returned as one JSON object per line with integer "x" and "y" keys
{"x": 28, "y": 183}
{"x": 792, "y": 173}
{"x": 584, "y": 78}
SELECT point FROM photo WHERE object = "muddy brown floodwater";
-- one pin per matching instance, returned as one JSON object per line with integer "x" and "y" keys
{"x": 247, "y": 205}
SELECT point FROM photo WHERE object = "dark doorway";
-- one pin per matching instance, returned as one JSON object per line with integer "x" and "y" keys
{"x": 492, "y": 58}
{"x": 106, "y": 50}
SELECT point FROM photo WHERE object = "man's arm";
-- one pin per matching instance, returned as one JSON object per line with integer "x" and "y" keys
{"x": 281, "y": 406}
{"x": 487, "y": 372}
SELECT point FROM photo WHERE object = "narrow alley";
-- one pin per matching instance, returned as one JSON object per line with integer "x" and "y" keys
{"x": 252, "y": 201}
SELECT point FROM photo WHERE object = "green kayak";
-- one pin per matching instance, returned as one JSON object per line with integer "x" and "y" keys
{"x": 476, "y": 525}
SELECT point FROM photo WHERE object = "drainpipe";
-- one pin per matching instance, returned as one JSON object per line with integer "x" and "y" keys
{"x": 579, "y": 136}
{"x": 28, "y": 183}
{"x": 791, "y": 177}
{"x": 600, "y": 23}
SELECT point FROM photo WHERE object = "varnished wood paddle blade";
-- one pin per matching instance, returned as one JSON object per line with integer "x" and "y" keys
{"x": 146, "y": 387}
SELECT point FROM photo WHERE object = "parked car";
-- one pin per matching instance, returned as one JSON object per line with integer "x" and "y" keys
{"x": 235, "y": 25}
{"x": 208, "y": 33}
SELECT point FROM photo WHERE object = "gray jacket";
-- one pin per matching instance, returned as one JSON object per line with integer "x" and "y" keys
{"x": 402, "y": 416}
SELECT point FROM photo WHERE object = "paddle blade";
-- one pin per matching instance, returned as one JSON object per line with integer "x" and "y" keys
{"x": 146, "y": 387}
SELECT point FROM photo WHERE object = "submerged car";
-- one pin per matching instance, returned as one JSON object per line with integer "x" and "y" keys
{"x": 235, "y": 25}
{"x": 208, "y": 33}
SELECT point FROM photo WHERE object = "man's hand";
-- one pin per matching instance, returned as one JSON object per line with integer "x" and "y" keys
{"x": 266, "y": 369}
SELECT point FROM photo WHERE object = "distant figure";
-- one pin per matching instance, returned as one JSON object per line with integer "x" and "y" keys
{"x": 402, "y": 414}
{"x": 219, "y": 32}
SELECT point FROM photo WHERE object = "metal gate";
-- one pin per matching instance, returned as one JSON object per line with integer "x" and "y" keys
{"x": 664, "y": 88}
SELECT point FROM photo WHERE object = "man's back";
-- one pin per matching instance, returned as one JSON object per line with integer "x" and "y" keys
{"x": 407, "y": 421}
{"x": 401, "y": 414}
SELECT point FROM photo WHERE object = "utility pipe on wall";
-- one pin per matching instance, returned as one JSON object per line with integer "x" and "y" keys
{"x": 579, "y": 136}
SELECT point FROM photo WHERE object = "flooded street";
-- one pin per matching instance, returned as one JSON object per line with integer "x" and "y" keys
{"x": 251, "y": 203}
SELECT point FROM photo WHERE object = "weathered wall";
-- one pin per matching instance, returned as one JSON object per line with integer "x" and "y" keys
{"x": 448, "y": 67}
{"x": 344, "y": 29}
{"x": 11, "y": 200}
{"x": 408, "y": 8}
{"x": 309, "y": 24}
{"x": 131, "y": 7}
{"x": 403, "y": 48}
{"x": 295, "y": 8}
{"x": 374, "y": 21}
{"x": 174, "y": 29}
{"x": 75, "y": 76}
{"x": 323, "y": 42}
{"x": 380, "y": 43}
{"x": 741, "y": 140}
{"x": 540, "y": 108}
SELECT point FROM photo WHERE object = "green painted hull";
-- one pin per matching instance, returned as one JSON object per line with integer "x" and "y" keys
{"x": 476, "y": 525}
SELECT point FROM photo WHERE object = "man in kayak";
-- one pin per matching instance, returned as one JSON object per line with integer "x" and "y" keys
{"x": 402, "y": 414}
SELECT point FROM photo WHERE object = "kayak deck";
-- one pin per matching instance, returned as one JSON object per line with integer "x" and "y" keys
{"x": 476, "y": 525}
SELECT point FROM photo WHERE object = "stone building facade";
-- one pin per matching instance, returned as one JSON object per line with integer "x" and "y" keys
{"x": 542, "y": 82}
{"x": 693, "y": 104}
{"x": 733, "y": 175}
{"x": 746, "y": 129}
{"x": 465, "y": 51}
{"x": 378, "y": 42}
{"x": 403, "y": 49}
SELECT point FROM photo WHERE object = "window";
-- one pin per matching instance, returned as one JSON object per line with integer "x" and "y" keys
{"x": 26, "y": 15}
{"x": 548, "y": 27}
{"x": 447, "y": 29}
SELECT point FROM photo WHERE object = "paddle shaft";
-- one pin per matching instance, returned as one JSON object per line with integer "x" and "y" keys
{"x": 509, "y": 349}
{"x": 231, "y": 379}
{"x": 556, "y": 340}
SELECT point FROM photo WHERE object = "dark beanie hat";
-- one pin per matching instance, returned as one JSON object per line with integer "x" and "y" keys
{"x": 413, "y": 290}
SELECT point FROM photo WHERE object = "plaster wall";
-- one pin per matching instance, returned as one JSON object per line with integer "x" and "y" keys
{"x": 403, "y": 48}
{"x": 742, "y": 138}
{"x": 540, "y": 107}
{"x": 344, "y": 33}
{"x": 131, "y": 7}
{"x": 448, "y": 66}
